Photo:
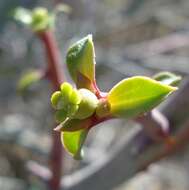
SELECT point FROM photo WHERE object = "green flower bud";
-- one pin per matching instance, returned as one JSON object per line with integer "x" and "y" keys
{"x": 56, "y": 100}
{"x": 87, "y": 105}
{"x": 75, "y": 97}
{"x": 66, "y": 91}
{"x": 39, "y": 14}
{"x": 41, "y": 19}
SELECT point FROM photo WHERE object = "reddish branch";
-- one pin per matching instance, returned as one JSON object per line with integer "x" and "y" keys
{"x": 55, "y": 75}
{"x": 162, "y": 151}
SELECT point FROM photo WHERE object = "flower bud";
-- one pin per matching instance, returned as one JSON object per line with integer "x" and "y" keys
{"x": 56, "y": 100}
{"x": 87, "y": 105}
{"x": 40, "y": 19}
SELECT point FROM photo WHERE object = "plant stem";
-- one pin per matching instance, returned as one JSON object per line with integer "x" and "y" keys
{"x": 55, "y": 75}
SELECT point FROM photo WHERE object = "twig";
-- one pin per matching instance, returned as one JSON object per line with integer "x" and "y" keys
{"x": 55, "y": 75}
{"x": 163, "y": 151}
{"x": 38, "y": 170}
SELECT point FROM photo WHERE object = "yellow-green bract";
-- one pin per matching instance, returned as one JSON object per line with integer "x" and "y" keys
{"x": 136, "y": 95}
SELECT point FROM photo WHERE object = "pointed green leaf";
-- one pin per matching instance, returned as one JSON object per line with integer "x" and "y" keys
{"x": 168, "y": 78}
{"x": 22, "y": 15}
{"x": 73, "y": 142}
{"x": 81, "y": 59}
{"x": 136, "y": 95}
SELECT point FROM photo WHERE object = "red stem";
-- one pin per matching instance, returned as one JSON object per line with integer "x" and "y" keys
{"x": 55, "y": 75}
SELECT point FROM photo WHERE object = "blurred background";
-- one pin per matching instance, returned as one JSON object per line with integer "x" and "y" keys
{"x": 132, "y": 37}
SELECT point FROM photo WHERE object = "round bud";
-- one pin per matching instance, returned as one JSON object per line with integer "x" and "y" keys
{"x": 39, "y": 14}
{"x": 75, "y": 97}
{"x": 56, "y": 100}
{"x": 87, "y": 105}
{"x": 66, "y": 91}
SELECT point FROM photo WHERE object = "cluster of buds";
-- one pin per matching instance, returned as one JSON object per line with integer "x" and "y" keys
{"x": 81, "y": 108}
{"x": 39, "y": 19}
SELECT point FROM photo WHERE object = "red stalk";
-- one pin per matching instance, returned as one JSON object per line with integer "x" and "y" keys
{"x": 55, "y": 75}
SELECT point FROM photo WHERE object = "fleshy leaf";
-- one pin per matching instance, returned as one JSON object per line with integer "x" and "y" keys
{"x": 136, "y": 95}
{"x": 81, "y": 61}
{"x": 168, "y": 78}
{"x": 73, "y": 142}
{"x": 22, "y": 15}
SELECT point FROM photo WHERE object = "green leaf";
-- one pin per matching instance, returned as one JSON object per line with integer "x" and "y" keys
{"x": 28, "y": 79}
{"x": 136, "y": 95}
{"x": 168, "y": 78}
{"x": 22, "y": 15}
{"x": 73, "y": 142}
{"x": 81, "y": 60}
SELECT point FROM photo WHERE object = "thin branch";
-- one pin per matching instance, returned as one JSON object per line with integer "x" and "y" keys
{"x": 55, "y": 75}
{"x": 38, "y": 170}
